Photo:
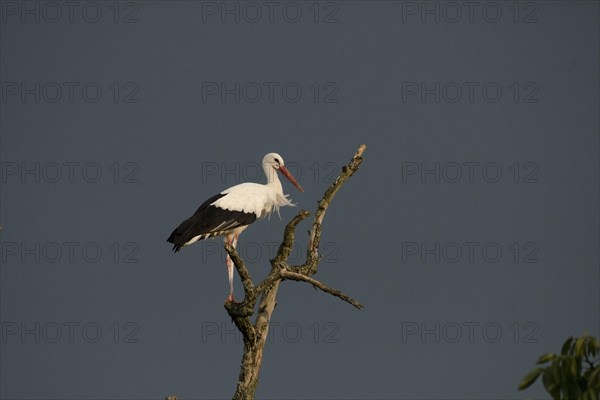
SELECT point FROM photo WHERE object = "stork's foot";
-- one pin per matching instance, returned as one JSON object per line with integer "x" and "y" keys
{"x": 230, "y": 299}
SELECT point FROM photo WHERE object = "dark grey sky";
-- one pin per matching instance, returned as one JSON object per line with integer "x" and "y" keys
{"x": 470, "y": 233}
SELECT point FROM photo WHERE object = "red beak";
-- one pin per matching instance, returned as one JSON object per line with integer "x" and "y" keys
{"x": 290, "y": 177}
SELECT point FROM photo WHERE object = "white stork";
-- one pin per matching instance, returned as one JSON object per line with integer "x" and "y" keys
{"x": 231, "y": 211}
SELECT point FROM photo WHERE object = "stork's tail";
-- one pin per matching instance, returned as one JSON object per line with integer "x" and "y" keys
{"x": 176, "y": 238}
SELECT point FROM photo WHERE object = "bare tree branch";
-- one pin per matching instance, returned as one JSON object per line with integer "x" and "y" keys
{"x": 312, "y": 255}
{"x": 255, "y": 335}
{"x": 241, "y": 268}
{"x": 240, "y": 313}
{"x": 295, "y": 276}
{"x": 288, "y": 237}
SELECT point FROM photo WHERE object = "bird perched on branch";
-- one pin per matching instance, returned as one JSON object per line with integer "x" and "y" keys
{"x": 228, "y": 213}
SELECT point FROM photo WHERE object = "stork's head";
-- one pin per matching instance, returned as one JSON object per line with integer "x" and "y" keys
{"x": 275, "y": 161}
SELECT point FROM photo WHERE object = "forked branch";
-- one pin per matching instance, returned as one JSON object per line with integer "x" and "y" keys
{"x": 295, "y": 276}
{"x": 255, "y": 335}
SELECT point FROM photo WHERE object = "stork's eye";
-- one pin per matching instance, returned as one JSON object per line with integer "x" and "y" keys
{"x": 277, "y": 161}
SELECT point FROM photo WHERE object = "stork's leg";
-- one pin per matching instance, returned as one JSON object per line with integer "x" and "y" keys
{"x": 232, "y": 242}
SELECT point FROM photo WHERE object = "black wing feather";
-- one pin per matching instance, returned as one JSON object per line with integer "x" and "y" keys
{"x": 206, "y": 220}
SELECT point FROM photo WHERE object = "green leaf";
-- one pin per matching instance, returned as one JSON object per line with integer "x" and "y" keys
{"x": 566, "y": 377}
{"x": 573, "y": 391}
{"x": 594, "y": 378}
{"x": 588, "y": 395}
{"x": 567, "y": 345}
{"x": 586, "y": 374}
{"x": 550, "y": 380}
{"x": 560, "y": 367}
{"x": 545, "y": 358}
{"x": 595, "y": 344}
{"x": 573, "y": 367}
{"x": 594, "y": 394}
{"x": 591, "y": 346}
{"x": 579, "y": 347}
{"x": 530, "y": 378}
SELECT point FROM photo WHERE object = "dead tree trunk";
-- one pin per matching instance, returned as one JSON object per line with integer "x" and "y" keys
{"x": 255, "y": 335}
{"x": 253, "y": 351}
